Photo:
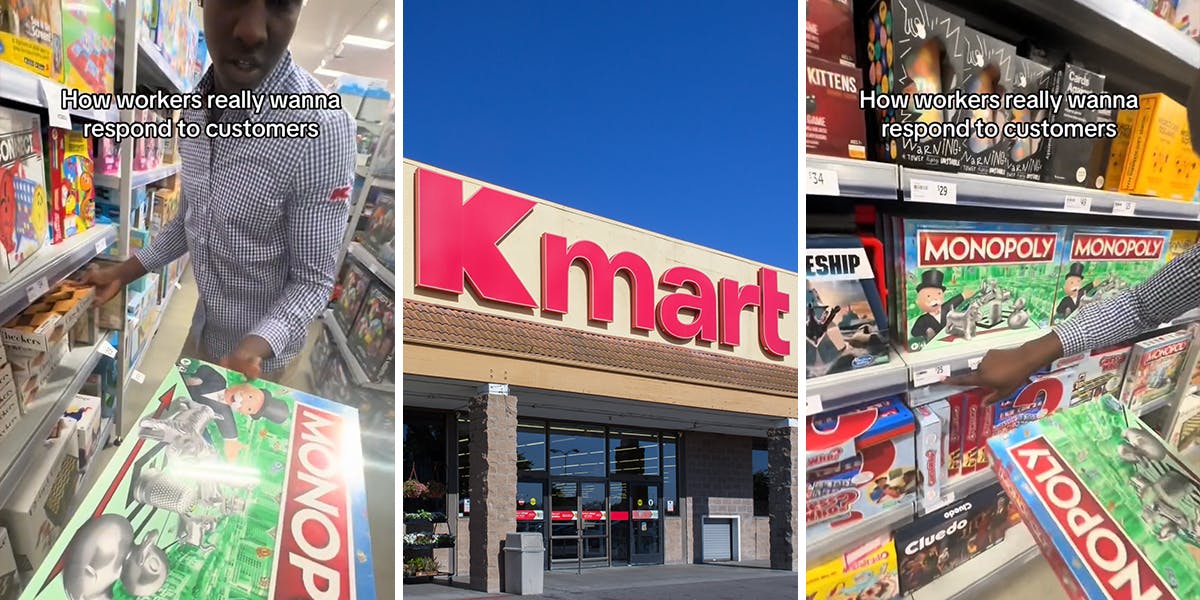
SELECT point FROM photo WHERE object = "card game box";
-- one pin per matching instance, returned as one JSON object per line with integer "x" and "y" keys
{"x": 23, "y": 209}
{"x": 1098, "y": 263}
{"x": 987, "y": 69}
{"x": 860, "y": 461}
{"x": 354, "y": 284}
{"x": 962, "y": 280}
{"x": 373, "y": 337}
{"x": 833, "y": 123}
{"x": 866, "y": 571}
{"x": 90, "y": 45}
{"x": 31, "y": 37}
{"x": 1068, "y": 160}
{"x": 829, "y": 31}
{"x": 1026, "y": 155}
{"x": 72, "y": 189}
{"x": 1152, "y": 160}
{"x": 931, "y": 454}
{"x": 846, "y": 327}
{"x": 1113, "y": 509}
{"x": 223, "y": 489}
{"x": 943, "y": 540}
{"x": 1095, "y": 373}
{"x": 1156, "y": 368}
{"x": 913, "y": 47}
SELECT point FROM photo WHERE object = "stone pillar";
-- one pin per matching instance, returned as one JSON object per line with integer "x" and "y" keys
{"x": 493, "y": 448}
{"x": 783, "y": 450}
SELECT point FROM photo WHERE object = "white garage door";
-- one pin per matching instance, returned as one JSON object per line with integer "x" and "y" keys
{"x": 718, "y": 539}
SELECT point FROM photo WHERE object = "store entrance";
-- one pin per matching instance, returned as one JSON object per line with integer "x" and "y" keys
{"x": 578, "y": 527}
{"x": 634, "y": 523}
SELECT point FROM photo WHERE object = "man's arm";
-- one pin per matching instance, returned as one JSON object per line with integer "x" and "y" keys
{"x": 1172, "y": 291}
{"x": 316, "y": 220}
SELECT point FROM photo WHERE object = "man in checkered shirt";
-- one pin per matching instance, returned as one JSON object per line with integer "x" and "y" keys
{"x": 262, "y": 218}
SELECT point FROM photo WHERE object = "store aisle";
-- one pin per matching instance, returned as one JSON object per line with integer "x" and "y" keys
{"x": 1036, "y": 580}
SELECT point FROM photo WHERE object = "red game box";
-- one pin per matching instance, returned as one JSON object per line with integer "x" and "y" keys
{"x": 833, "y": 123}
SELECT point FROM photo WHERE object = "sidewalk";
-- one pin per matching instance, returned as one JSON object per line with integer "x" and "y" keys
{"x": 741, "y": 581}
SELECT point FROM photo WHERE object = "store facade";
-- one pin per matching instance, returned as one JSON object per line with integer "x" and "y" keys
{"x": 630, "y": 397}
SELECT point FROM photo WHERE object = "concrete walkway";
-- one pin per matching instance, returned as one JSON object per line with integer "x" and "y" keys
{"x": 744, "y": 581}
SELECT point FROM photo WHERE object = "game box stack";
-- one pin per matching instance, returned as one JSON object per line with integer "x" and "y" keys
{"x": 1112, "y": 507}
{"x": 847, "y": 327}
{"x": 866, "y": 571}
{"x": 353, "y": 287}
{"x": 860, "y": 462}
{"x": 380, "y": 234}
{"x": 373, "y": 337}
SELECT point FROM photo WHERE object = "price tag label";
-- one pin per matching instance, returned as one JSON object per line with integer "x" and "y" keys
{"x": 930, "y": 376}
{"x": 937, "y": 192}
{"x": 823, "y": 182}
{"x": 1081, "y": 204}
{"x": 137, "y": 376}
{"x": 101, "y": 246}
{"x": 52, "y": 97}
{"x": 133, "y": 321}
{"x": 1124, "y": 208}
{"x": 37, "y": 289}
{"x": 939, "y": 503}
{"x": 178, "y": 286}
{"x": 973, "y": 363}
{"x": 813, "y": 406}
{"x": 107, "y": 350}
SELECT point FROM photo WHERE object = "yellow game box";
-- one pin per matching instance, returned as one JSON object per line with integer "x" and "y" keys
{"x": 867, "y": 571}
{"x": 1153, "y": 146}
{"x": 1119, "y": 148}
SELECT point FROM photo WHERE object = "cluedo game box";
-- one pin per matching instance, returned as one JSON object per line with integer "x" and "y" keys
{"x": 962, "y": 281}
{"x": 223, "y": 490}
{"x": 1114, "y": 510}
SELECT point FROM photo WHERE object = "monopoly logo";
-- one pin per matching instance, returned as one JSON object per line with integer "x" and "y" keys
{"x": 1091, "y": 246}
{"x": 829, "y": 507}
{"x": 457, "y": 246}
{"x": 1165, "y": 351}
{"x": 956, "y": 248}
{"x": 315, "y": 558}
{"x": 17, "y": 146}
{"x": 1118, "y": 567}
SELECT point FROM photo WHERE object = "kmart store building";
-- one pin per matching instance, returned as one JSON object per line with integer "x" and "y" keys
{"x": 630, "y": 397}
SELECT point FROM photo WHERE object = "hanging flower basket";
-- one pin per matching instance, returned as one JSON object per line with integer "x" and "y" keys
{"x": 413, "y": 488}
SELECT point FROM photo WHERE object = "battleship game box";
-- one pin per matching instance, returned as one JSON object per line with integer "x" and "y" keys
{"x": 833, "y": 122}
{"x": 1156, "y": 368}
{"x": 866, "y": 571}
{"x": 223, "y": 489}
{"x": 24, "y": 222}
{"x": 961, "y": 281}
{"x": 987, "y": 69}
{"x": 846, "y": 325}
{"x": 1114, "y": 510}
{"x": 860, "y": 461}
{"x": 1095, "y": 373}
{"x": 943, "y": 540}
{"x": 913, "y": 47}
{"x": 1098, "y": 263}
{"x": 1025, "y": 155}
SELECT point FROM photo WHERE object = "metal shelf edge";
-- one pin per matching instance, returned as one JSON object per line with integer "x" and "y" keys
{"x": 373, "y": 265}
{"x": 831, "y": 392}
{"x": 859, "y": 178}
{"x": 831, "y": 543}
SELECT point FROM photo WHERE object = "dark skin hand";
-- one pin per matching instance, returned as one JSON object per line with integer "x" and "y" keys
{"x": 248, "y": 356}
{"x": 1001, "y": 372}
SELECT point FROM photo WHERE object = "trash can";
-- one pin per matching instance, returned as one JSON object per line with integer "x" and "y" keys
{"x": 523, "y": 563}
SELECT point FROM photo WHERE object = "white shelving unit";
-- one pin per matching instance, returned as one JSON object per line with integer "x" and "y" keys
{"x": 994, "y": 566}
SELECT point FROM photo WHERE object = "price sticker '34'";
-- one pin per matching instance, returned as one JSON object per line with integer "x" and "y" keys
{"x": 822, "y": 182}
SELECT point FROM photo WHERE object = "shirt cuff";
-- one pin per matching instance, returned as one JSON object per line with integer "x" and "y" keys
{"x": 276, "y": 332}
{"x": 153, "y": 259}
{"x": 1071, "y": 336}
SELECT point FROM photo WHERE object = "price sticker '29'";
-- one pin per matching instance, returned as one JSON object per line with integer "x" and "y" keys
{"x": 938, "y": 192}
{"x": 822, "y": 182}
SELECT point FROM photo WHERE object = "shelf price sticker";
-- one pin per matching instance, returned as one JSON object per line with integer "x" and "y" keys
{"x": 52, "y": 96}
{"x": 137, "y": 376}
{"x": 37, "y": 289}
{"x": 107, "y": 349}
{"x": 930, "y": 376}
{"x": 813, "y": 406}
{"x": 940, "y": 502}
{"x": 938, "y": 192}
{"x": 101, "y": 246}
{"x": 1124, "y": 208}
{"x": 1081, "y": 204}
{"x": 823, "y": 182}
{"x": 973, "y": 363}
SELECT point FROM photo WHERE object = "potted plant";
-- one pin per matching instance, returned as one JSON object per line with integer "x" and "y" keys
{"x": 445, "y": 540}
{"x": 421, "y": 566}
{"x": 413, "y": 488}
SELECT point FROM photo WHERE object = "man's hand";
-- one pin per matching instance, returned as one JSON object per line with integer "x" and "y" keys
{"x": 232, "y": 449}
{"x": 1001, "y": 372}
{"x": 248, "y": 356}
{"x": 106, "y": 280}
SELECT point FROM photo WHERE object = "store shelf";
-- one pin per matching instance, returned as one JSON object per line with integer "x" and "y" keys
{"x": 961, "y": 487}
{"x": 1146, "y": 409}
{"x": 995, "y": 192}
{"x": 23, "y": 87}
{"x": 154, "y": 70}
{"x": 825, "y": 547}
{"x": 18, "y": 448}
{"x": 160, "y": 310}
{"x": 832, "y": 392}
{"x": 859, "y": 178}
{"x": 51, "y": 265}
{"x": 369, "y": 261}
{"x": 139, "y": 178}
{"x": 992, "y": 568}
{"x": 956, "y": 359}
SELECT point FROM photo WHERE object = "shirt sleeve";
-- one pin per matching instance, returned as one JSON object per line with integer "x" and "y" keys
{"x": 316, "y": 221}
{"x": 1172, "y": 291}
{"x": 169, "y": 245}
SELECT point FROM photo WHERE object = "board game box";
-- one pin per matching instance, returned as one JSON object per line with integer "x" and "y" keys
{"x": 1025, "y": 155}
{"x": 846, "y": 327}
{"x": 72, "y": 190}
{"x": 1156, "y": 369}
{"x": 31, "y": 36}
{"x": 374, "y": 333}
{"x": 223, "y": 489}
{"x": 829, "y": 31}
{"x": 23, "y": 203}
{"x": 1093, "y": 374}
{"x": 1113, "y": 509}
{"x": 1182, "y": 240}
{"x": 1183, "y": 424}
{"x": 962, "y": 281}
{"x": 931, "y": 461}
{"x": 867, "y": 571}
{"x": 380, "y": 234}
{"x": 941, "y": 541}
{"x": 1153, "y": 156}
{"x": 1099, "y": 263}
{"x": 1068, "y": 160}
{"x": 90, "y": 45}
{"x": 354, "y": 284}
{"x": 860, "y": 461}
{"x": 833, "y": 122}
{"x": 987, "y": 69}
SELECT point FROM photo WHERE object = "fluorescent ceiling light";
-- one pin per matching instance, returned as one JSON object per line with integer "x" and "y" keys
{"x": 329, "y": 72}
{"x": 366, "y": 42}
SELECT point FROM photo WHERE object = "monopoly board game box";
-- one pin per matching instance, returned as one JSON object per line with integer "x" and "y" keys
{"x": 1099, "y": 263}
{"x": 1095, "y": 373}
{"x": 223, "y": 489}
{"x": 1156, "y": 368}
{"x": 1114, "y": 510}
{"x": 961, "y": 281}
{"x": 846, "y": 326}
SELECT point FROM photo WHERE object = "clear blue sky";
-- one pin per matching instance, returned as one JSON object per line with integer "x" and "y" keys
{"x": 678, "y": 117}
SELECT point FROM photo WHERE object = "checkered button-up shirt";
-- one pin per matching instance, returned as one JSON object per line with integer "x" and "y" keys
{"x": 263, "y": 220}
{"x": 1172, "y": 291}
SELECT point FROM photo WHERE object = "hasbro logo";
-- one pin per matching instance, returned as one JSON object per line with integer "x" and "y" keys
{"x": 863, "y": 361}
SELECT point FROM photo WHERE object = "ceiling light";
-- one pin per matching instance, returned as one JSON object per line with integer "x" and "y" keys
{"x": 328, "y": 72}
{"x": 384, "y": 21}
{"x": 366, "y": 42}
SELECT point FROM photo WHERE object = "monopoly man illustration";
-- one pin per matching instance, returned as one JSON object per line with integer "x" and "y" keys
{"x": 1073, "y": 291}
{"x": 208, "y": 387}
{"x": 931, "y": 299}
